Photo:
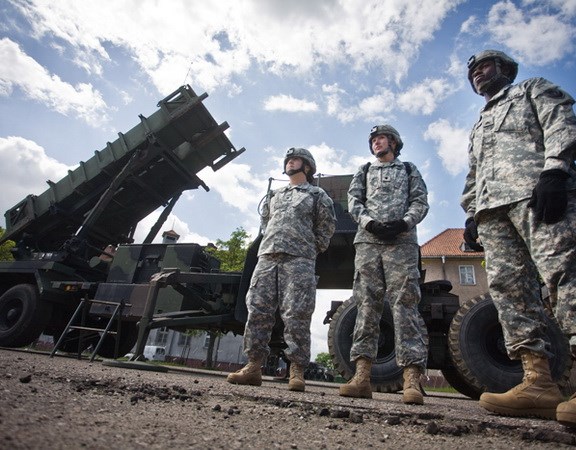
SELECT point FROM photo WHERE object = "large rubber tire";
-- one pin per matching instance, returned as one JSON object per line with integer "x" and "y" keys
{"x": 71, "y": 342}
{"x": 458, "y": 382}
{"x": 128, "y": 338}
{"x": 477, "y": 348}
{"x": 386, "y": 376}
{"x": 23, "y": 316}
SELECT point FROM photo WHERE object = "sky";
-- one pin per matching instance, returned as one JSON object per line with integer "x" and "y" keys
{"x": 302, "y": 73}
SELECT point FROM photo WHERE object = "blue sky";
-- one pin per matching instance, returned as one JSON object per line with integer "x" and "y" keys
{"x": 316, "y": 74}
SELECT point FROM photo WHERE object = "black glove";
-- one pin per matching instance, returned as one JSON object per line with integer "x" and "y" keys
{"x": 471, "y": 235}
{"x": 375, "y": 227}
{"x": 393, "y": 229}
{"x": 387, "y": 231}
{"x": 549, "y": 196}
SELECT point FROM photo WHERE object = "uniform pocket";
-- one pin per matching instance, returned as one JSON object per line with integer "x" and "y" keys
{"x": 505, "y": 120}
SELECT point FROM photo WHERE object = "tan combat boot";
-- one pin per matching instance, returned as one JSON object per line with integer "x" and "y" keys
{"x": 296, "y": 381}
{"x": 250, "y": 374}
{"x": 536, "y": 396}
{"x": 412, "y": 392}
{"x": 359, "y": 385}
{"x": 566, "y": 412}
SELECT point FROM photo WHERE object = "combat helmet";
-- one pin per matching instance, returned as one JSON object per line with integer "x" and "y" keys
{"x": 306, "y": 156}
{"x": 500, "y": 58}
{"x": 387, "y": 130}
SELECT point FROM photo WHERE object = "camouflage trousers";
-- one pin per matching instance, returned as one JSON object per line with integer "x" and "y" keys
{"x": 288, "y": 284}
{"x": 389, "y": 273}
{"x": 519, "y": 250}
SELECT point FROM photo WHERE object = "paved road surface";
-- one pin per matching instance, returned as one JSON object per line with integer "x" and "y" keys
{"x": 66, "y": 403}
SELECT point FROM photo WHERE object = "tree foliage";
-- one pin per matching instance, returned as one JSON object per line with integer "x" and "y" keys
{"x": 325, "y": 360}
{"x": 5, "y": 254}
{"x": 232, "y": 252}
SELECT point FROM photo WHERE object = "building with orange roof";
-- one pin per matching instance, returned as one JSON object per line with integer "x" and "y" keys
{"x": 447, "y": 257}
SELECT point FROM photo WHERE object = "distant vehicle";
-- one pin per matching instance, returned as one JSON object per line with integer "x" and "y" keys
{"x": 318, "y": 372}
{"x": 154, "y": 353}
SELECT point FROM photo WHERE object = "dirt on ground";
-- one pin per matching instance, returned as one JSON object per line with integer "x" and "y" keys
{"x": 66, "y": 403}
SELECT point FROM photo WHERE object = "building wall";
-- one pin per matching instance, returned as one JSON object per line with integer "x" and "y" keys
{"x": 192, "y": 350}
{"x": 450, "y": 270}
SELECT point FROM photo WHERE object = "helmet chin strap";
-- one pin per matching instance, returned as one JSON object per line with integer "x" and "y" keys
{"x": 295, "y": 171}
{"x": 383, "y": 152}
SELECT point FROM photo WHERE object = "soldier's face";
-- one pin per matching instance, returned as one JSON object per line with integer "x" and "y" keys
{"x": 294, "y": 163}
{"x": 382, "y": 147}
{"x": 482, "y": 74}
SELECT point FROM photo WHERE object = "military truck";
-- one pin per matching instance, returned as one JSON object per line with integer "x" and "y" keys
{"x": 465, "y": 338}
{"x": 79, "y": 276}
{"x": 75, "y": 251}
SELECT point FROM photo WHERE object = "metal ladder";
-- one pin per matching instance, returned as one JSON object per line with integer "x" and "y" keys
{"x": 82, "y": 308}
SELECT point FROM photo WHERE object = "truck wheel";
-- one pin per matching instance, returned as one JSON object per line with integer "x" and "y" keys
{"x": 128, "y": 338}
{"x": 23, "y": 316}
{"x": 71, "y": 342}
{"x": 458, "y": 382}
{"x": 477, "y": 348}
{"x": 386, "y": 375}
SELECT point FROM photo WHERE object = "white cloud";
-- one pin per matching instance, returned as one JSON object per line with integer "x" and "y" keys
{"x": 236, "y": 184}
{"x": 423, "y": 97}
{"x": 21, "y": 71}
{"x": 375, "y": 108}
{"x": 518, "y": 29}
{"x": 567, "y": 7}
{"x": 331, "y": 161}
{"x": 173, "y": 222}
{"x": 28, "y": 171}
{"x": 288, "y": 103}
{"x": 451, "y": 143}
{"x": 224, "y": 38}
{"x": 470, "y": 25}
{"x": 239, "y": 187}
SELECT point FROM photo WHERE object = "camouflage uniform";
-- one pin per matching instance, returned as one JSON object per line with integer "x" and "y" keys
{"x": 297, "y": 224}
{"x": 388, "y": 270}
{"x": 523, "y": 130}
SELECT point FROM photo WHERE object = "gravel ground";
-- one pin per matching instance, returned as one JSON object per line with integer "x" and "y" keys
{"x": 66, "y": 403}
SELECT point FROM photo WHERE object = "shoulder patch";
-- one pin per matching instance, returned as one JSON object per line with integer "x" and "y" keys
{"x": 554, "y": 93}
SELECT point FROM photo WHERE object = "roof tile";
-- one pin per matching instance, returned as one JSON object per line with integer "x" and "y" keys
{"x": 447, "y": 243}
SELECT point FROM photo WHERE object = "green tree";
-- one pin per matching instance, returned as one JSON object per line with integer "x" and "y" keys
{"x": 232, "y": 254}
{"x": 5, "y": 254}
{"x": 325, "y": 359}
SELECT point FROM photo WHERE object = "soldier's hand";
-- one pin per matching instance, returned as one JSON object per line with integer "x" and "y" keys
{"x": 387, "y": 231}
{"x": 375, "y": 227}
{"x": 549, "y": 196}
{"x": 393, "y": 229}
{"x": 471, "y": 235}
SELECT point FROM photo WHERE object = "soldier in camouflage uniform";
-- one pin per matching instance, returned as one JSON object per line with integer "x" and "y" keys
{"x": 520, "y": 199}
{"x": 298, "y": 221}
{"x": 387, "y": 198}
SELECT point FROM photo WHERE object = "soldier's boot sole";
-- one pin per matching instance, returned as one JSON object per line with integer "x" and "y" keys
{"x": 492, "y": 403}
{"x": 296, "y": 385}
{"x": 566, "y": 413}
{"x": 253, "y": 379}
{"x": 356, "y": 391}
{"x": 412, "y": 396}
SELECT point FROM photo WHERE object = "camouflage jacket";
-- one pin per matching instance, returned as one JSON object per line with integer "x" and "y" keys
{"x": 297, "y": 220}
{"x": 390, "y": 193}
{"x": 522, "y": 130}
